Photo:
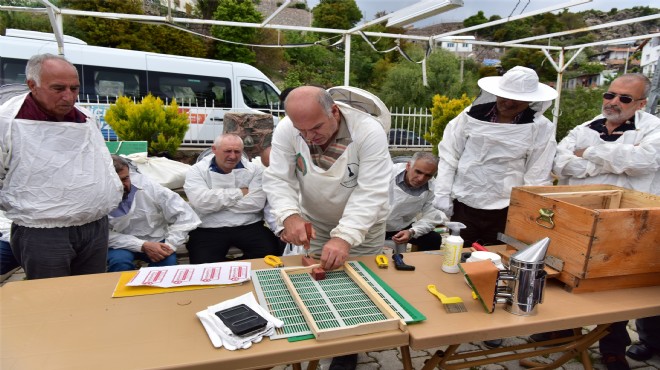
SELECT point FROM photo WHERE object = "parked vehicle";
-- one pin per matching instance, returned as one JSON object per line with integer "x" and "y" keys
{"x": 401, "y": 137}
{"x": 204, "y": 88}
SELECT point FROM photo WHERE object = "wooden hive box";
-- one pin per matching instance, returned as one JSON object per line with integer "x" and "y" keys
{"x": 608, "y": 237}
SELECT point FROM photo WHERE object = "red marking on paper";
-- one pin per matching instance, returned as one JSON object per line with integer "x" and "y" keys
{"x": 153, "y": 277}
{"x": 182, "y": 276}
{"x": 237, "y": 273}
{"x": 211, "y": 274}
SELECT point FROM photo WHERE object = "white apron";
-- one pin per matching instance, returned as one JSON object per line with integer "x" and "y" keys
{"x": 60, "y": 174}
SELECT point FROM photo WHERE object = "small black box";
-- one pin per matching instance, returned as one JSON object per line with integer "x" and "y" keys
{"x": 241, "y": 319}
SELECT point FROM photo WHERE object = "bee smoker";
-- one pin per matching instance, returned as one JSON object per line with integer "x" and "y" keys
{"x": 521, "y": 286}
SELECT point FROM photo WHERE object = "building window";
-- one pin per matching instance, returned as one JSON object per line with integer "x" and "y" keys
{"x": 450, "y": 44}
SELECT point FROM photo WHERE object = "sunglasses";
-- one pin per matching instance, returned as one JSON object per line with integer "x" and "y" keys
{"x": 625, "y": 99}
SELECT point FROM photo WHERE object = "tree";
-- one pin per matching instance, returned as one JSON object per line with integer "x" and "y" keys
{"x": 315, "y": 65}
{"x": 577, "y": 106}
{"x": 163, "y": 127}
{"x": 128, "y": 35}
{"x": 236, "y": 11}
{"x": 475, "y": 20}
{"x": 443, "y": 111}
{"x": 341, "y": 14}
{"x": 403, "y": 85}
{"x": 24, "y": 20}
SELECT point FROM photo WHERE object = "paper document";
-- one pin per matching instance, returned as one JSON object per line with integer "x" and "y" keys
{"x": 219, "y": 273}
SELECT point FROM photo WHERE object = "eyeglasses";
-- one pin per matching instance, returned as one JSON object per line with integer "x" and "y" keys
{"x": 625, "y": 99}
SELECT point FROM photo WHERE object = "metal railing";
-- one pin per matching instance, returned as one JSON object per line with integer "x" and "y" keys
{"x": 408, "y": 124}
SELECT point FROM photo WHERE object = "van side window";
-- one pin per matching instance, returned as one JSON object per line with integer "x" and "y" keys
{"x": 259, "y": 95}
{"x": 106, "y": 84}
{"x": 201, "y": 91}
{"x": 12, "y": 71}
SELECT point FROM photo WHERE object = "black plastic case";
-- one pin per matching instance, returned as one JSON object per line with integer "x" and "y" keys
{"x": 241, "y": 319}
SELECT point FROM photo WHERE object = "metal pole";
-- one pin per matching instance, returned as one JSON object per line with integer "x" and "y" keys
{"x": 347, "y": 59}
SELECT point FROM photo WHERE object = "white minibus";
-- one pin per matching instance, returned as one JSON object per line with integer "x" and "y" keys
{"x": 204, "y": 88}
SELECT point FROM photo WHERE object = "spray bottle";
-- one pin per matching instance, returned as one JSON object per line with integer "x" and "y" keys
{"x": 453, "y": 248}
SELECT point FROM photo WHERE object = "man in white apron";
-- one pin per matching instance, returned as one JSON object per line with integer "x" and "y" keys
{"x": 412, "y": 217}
{"x": 329, "y": 165}
{"x": 150, "y": 223}
{"x": 57, "y": 182}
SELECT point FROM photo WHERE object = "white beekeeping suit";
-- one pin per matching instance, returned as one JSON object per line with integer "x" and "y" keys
{"x": 632, "y": 161}
{"x": 480, "y": 161}
{"x": 156, "y": 214}
{"x": 406, "y": 208}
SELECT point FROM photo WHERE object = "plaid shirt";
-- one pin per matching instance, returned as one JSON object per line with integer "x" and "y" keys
{"x": 326, "y": 158}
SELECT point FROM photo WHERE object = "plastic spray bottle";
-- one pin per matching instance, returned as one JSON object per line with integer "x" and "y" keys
{"x": 453, "y": 248}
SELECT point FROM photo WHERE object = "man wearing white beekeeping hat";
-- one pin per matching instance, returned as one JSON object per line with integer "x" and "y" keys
{"x": 502, "y": 140}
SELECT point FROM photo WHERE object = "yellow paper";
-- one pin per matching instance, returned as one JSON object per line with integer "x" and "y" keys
{"x": 121, "y": 290}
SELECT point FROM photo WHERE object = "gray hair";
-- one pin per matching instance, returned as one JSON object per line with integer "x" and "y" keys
{"x": 221, "y": 137}
{"x": 427, "y": 156}
{"x": 33, "y": 68}
{"x": 119, "y": 162}
{"x": 641, "y": 78}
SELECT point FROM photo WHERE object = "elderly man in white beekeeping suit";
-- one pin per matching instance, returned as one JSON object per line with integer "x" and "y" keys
{"x": 57, "y": 182}
{"x": 412, "y": 217}
{"x": 502, "y": 140}
{"x": 149, "y": 224}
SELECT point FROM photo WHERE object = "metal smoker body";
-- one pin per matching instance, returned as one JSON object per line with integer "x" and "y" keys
{"x": 523, "y": 283}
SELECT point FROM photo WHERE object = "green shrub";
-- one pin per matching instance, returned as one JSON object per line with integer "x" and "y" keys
{"x": 443, "y": 111}
{"x": 163, "y": 127}
{"x": 577, "y": 106}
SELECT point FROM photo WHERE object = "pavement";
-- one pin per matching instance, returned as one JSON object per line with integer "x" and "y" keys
{"x": 391, "y": 359}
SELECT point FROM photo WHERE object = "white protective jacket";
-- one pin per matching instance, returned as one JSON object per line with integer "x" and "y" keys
{"x": 217, "y": 198}
{"x": 480, "y": 161}
{"x": 632, "y": 161}
{"x": 347, "y": 201}
{"x": 406, "y": 208}
{"x": 5, "y": 227}
{"x": 157, "y": 214}
{"x": 54, "y": 174}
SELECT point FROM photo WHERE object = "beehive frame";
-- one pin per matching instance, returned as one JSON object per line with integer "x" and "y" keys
{"x": 322, "y": 308}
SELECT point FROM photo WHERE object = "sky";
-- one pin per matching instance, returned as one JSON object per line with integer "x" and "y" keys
{"x": 502, "y": 8}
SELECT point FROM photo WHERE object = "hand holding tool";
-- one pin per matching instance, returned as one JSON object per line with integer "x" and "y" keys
{"x": 273, "y": 261}
{"x": 381, "y": 260}
{"x": 451, "y": 304}
{"x": 308, "y": 230}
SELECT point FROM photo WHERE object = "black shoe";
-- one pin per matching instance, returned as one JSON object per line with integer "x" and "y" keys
{"x": 615, "y": 362}
{"x": 495, "y": 343}
{"x": 348, "y": 362}
{"x": 640, "y": 352}
{"x": 550, "y": 335}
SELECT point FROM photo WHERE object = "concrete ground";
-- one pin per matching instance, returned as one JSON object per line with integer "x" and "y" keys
{"x": 391, "y": 359}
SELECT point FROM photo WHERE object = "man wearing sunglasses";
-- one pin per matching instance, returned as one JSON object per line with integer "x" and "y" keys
{"x": 619, "y": 147}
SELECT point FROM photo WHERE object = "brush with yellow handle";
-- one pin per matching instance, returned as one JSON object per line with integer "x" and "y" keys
{"x": 451, "y": 304}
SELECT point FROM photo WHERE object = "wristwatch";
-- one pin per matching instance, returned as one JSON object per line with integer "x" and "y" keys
{"x": 412, "y": 233}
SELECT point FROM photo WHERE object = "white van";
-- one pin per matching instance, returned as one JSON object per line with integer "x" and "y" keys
{"x": 204, "y": 88}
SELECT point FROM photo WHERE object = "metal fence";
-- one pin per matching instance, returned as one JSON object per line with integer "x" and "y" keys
{"x": 407, "y": 128}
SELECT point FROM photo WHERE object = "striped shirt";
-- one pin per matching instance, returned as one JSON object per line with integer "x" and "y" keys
{"x": 326, "y": 158}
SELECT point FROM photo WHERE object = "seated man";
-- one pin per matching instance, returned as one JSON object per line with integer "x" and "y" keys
{"x": 8, "y": 262}
{"x": 225, "y": 191}
{"x": 149, "y": 224}
{"x": 411, "y": 194}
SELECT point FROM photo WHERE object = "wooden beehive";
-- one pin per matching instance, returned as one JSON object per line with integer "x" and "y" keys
{"x": 607, "y": 237}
